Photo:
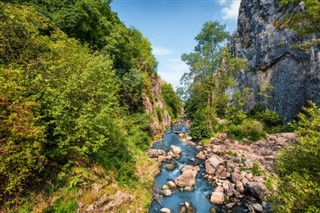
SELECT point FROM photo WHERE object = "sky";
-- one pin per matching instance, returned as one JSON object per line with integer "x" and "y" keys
{"x": 171, "y": 25}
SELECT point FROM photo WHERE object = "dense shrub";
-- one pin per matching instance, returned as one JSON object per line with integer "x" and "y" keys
{"x": 299, "y": 167}
{"x": 249, "y": 129}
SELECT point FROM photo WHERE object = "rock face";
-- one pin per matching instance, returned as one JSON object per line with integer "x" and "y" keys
{"x": 152, "y": 105}
{"x": 273, "y": 60}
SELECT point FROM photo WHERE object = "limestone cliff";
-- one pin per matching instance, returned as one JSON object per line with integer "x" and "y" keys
{"x": 294, "y": 75}
{"x": 155, "y": 105}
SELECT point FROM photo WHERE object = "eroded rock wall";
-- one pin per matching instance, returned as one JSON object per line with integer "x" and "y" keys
{"x": 274, "y": 60}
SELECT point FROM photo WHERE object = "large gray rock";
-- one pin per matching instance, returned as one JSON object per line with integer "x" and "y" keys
{"x": 212, "y": 163}
{"x": 273, "y": 59}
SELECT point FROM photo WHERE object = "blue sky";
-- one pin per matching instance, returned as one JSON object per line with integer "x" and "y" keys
{"x": 171, "y": 25}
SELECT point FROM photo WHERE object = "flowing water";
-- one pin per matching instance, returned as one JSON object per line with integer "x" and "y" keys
{"x": 199, "y": 198}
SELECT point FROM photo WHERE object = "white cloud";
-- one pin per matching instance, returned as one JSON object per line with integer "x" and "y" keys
{"x": 161, "y": 51}
{"x": 231, "y": 11}
{"x": 222, "y": 1}
{"x": 173, "y": 71}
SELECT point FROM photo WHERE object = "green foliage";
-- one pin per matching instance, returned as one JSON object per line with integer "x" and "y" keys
{"x": 302, "y": 16}
{"x": 199, "y": 128}
{"x": 171, "y": 100}
{"x": 212, "y": 70}
{"x": 271, "y": 120}
{"x": 62, "y": 206}
{"x": 249, "y": 129}
{"x": 299, "y": 167}
{"x": 65, "y": 101}
{"x": 256, "y": 169}
{"x": 236, "y": 111}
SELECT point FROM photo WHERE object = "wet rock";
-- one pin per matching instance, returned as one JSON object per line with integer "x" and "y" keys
{"x": 187, "y": 208}
{"x": 171, "y": 166}
{"x": 189, "y": 188}
{"x": 171, "y": 185}
{"x": 212, "y": 163}
{"x": 257, "y": 207}
{"x": 165, "y": 210}
{"x": 187, "y": 178}
{"x": 166, "y": 192}
{"x": 176, "y": 150}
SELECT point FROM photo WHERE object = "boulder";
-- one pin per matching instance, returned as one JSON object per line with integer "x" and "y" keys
{"x": 187, "y": 178}
{"x": 217, "y": 197}
{"x": 257, "y": 190}
{"x": 212, "y": 163}
{"x": 176, "y": 150}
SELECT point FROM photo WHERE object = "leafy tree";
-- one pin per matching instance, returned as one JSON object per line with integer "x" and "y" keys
{"x": 299, "y": 167}
{"x": 204, "y": 62}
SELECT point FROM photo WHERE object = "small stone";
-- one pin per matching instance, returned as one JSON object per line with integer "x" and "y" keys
{"x": 165, "y": 210}
{"x": 189, "y": 188}
{"x": 166, "y": 192}
{"x": 239, "y": 186}
{"x": 171, "y": 166}
{"x": 171, "y": 185}
{"x": 90, "y": 208}
{"x": 201, "y": 156}
{"x": 165, "y": 187}
{"x": 230, "y": 205}
{"x": 235, "y": 177}
{"x": 257, "y": 207}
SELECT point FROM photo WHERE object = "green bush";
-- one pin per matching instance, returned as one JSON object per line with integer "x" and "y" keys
{"x": 271, "y": 120}
{"x": 249, "y": 129}
{"x": 299, "y": 166}
{"x": 61, "y": 206}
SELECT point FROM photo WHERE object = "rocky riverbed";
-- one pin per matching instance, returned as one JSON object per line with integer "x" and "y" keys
{"x": 223, "y": 176}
